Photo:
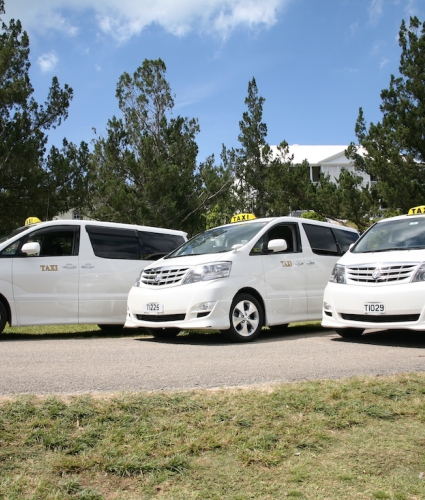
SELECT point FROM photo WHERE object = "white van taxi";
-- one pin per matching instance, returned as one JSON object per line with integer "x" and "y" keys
{"x": 380, "y": 282}
{"x": 240, "y": 277}
{"x": 70, "y": 272}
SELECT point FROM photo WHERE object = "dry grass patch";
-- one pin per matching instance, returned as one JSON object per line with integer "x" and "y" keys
{"x": 361, "y": 438}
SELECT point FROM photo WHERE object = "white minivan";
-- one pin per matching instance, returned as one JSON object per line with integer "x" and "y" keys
{"x": 380, "y": 282}
{"x": 240, "y": 277}
{"x": 70, "y": 272}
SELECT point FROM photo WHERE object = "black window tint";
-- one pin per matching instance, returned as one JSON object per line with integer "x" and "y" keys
{"x": 345, "y": 239}
{"x": 55, "y": 242}
{"x": 286, "y": 233}
{"x": 114, "y": 243}
{"x": 156, "y": 245}
{"x": 321, "y": 239}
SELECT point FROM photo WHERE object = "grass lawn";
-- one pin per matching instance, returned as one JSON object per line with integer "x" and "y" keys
{"x": 359, "y": 438}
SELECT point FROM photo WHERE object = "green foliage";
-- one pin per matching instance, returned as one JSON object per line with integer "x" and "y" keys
{"x": 27, "y": 186}
{"x": 144, "y": 171}
{"x": 313, "y": 216}
{"x": 395, "y": 147}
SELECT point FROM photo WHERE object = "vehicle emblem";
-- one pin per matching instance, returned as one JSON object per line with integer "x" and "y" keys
{"x": 376, "y": 274}
{"x": 157, "y": 278}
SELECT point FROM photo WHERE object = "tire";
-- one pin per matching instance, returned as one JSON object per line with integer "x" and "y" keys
{"x": 163, "y": 333}
{"x": 350, "y": 332}
{"x": 246, "y": 319}
{"x": 279, "y": 328}
{"x": 3, "y": 316}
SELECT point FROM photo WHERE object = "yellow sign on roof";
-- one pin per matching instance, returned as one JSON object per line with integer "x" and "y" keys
{"x": 417, "y": 210}
{"x": 242, "y": 217}
{"x": 32, "y": 220}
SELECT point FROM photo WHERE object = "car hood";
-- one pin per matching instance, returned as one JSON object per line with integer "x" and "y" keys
{"x": 373, "y": 257}
{"x": 193, "y": 260}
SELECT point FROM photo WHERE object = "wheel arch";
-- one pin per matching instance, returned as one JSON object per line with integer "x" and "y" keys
{"x": 5, "y": 302}
{"x": 257, "y": 295}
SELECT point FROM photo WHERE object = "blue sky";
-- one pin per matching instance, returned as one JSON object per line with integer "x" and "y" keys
{"x": 315, "y": 61}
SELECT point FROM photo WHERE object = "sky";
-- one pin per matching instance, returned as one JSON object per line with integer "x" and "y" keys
{"x": 316, "y": 62}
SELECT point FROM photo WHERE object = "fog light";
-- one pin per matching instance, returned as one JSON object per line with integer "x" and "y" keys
{"x": 326, "y": 306}
{"x": 203, "y": 307}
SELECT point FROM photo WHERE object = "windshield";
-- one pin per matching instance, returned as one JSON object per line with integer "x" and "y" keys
{"x": 13, "y": 233}
{"x": 398, "y": 234}
{"x": 219, "y": 239}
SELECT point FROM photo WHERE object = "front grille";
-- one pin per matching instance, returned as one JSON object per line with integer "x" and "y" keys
{"x": 385, "y": 273}
{"x": 160, "y": 276}
{"x": 160, "y": 317}
{"x": 390, "y": 318}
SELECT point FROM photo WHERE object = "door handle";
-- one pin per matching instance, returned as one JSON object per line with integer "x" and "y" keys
{"x": 69, "y": 266}
{"x": 310, "y": 263}
{"x": 88, "y": 266}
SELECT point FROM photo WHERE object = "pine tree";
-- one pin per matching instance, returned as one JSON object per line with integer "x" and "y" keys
{"x": 394, "y": 148}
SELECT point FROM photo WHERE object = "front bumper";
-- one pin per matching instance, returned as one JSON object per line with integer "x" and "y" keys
{"x": 181, "y": 307}
{"x": 404, "y": 306}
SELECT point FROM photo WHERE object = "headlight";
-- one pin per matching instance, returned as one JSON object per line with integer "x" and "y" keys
{"x": 137, "y": 282}
{"x": 338, "y": 274}
{"x": 419, "y": 275}
{"x": 208, "y": 272}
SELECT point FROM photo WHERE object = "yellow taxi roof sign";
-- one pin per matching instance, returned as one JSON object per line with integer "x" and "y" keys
{"x": 242, "y": 217}
{"x": 32, "y": 220}
{"x": 417, "y": 210}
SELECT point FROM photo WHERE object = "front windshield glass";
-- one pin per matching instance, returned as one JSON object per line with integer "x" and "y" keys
{"x": 13, "y": 233}
{"x": 397, "y": 234}
{"x": 219, "y": 239}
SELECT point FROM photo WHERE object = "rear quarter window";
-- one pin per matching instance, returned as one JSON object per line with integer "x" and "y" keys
{"x": 129, "y": 244}
{"x": 114, "y": 243}
{"x": 345, "y": 238}
{"x": 321, "y": 239}
{"x": 157, "y": 245}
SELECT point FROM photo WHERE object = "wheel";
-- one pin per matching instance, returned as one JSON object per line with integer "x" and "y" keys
{"x": 279, "y": 328}
{"x": 246, "y": 319}
{"x": 163, "y": 333}
{"x": 350, "y": 332}
{"x": 3, "y": 316}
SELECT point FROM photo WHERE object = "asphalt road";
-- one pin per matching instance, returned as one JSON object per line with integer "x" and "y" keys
{"x": 107, "y": 364}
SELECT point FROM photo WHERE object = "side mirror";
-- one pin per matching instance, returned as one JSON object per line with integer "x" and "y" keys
{"x": 236, "y": 247}
{"x": 32, "y": 248}
{"x": 277, "y": 245}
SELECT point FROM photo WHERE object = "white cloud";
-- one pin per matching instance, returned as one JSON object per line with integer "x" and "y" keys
{"x": 375, "y": 10}
{"x": 383, "y": 62}
{"x": 48, "y": 62}
{"x": 123, "y": 19}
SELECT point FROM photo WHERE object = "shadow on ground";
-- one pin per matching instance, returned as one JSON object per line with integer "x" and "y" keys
{"x": 215, "y": 338}
{"x": 392, "y": 338}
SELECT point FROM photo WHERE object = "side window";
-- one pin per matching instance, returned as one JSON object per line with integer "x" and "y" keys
{"x": 345, "y": 239}
{"x": 321, "y": 239}
{"x": 114, "y": 243}
{"x": 287, "y": 232}
{"x": 157, "y": 245}
{"x": 55, "y": 242}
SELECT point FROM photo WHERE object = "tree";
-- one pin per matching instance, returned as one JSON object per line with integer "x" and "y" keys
{"x": 393, "y": 150}
{"x": 145, "y": 170}
{"x": 25, "y": 185}
{"x": 252, "y": 159}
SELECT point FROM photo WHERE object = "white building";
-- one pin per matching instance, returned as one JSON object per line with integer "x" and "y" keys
{"x": 324, "y": 159}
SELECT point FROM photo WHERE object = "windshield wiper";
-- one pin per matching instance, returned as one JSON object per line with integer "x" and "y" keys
{"x": 391, "y": 249}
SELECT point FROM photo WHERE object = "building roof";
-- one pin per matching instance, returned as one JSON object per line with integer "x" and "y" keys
{"x": 315, "y": 154}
